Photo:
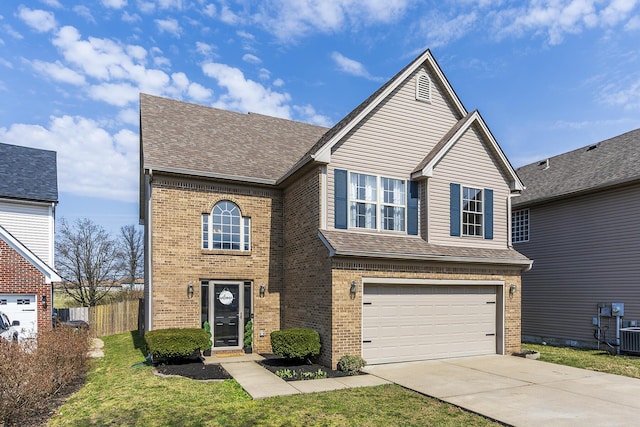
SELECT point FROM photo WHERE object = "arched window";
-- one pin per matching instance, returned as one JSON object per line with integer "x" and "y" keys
{"x": 225, "y": 228}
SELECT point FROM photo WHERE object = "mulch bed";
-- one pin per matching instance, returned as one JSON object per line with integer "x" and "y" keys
{"x": 274, "y": 363}
{"x": 194, "y": 369}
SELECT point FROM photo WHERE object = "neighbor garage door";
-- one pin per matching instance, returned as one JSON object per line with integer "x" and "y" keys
{"x": 22, "y": 308}
{"x": 415, "y": 322}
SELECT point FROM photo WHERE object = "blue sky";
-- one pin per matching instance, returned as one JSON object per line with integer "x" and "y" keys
{"x": 548, "y": 76}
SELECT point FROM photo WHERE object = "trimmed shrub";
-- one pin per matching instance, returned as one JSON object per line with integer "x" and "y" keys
{"x": 176, "y": 343}
{"x": 296, "y": 343}
{"x": 248, "y": 334}
{"x": 351, "y": 364}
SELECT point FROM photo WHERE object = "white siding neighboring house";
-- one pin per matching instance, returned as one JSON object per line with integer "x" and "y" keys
{"x": 578, "y": 219}
{"x": 28, "y": 198}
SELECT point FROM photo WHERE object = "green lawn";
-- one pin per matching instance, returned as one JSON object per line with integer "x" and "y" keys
{"x": 594, "y": 360}
{"x": 120, "y": 390}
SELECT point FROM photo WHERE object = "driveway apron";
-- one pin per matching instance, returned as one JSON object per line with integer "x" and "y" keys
{"x": 522, "y": 392}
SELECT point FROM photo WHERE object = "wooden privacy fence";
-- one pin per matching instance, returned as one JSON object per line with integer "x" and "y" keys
{"x": 106, "y": 319}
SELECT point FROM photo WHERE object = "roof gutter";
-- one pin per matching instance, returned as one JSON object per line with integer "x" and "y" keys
{"x": 225, "y": 177}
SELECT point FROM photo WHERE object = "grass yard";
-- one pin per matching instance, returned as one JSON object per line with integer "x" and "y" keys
{"x": 594, "y": 360}
{"x": 120, "y": 390}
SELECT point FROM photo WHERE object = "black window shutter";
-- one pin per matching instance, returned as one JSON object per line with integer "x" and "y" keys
{"x": 454, "y": 209}
{"x": 340, "y": 198}
{"x": 412, "y": 208}
{"x": 488, "y": 214}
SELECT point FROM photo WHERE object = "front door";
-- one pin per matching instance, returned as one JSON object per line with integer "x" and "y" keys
{"x": 227, "y": 315}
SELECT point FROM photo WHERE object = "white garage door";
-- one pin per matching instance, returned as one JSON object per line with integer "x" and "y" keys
{"x": 412, "y": 322}
{"x": 22, "y": 308}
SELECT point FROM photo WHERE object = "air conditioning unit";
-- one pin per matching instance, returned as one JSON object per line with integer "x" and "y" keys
{"x": 630, "y": 340}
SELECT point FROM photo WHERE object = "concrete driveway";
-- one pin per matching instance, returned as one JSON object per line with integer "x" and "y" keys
{"x": 522, "y": 392}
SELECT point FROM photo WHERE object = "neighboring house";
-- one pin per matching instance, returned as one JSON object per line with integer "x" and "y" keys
{"x": 28, "y": 197}
{"x": 387, "y": 233}
{"x": 578, "y": 218}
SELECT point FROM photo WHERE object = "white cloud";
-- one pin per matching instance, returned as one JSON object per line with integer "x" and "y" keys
{"x": 308, "y": 114}
{"x": 116, "y": 73}
{"x": 129, "y": 116}
{"x": 130, "y": 18}
{"x": 13, "y": 33}
{"x": 557, "y": 18}
{"x": 209, "y": 10}
{"x": 170, "y": 4}
{"x": 228, "y": 17}
{"x": 205, "y": 48}
{"x": 114, "y": 4}
{"x": 170, "y": 26}
{"x": 91, "y": 161}
{"x": 39, "y": 20}
{"x": 84, "y": 12}
{"x": 59, "y": 72}
{"x": 52, "y": 3}
{"x": 118, "y": 94}
{"x": 246, "y": 95}
{"x": 251, "y": 59}
{"x": 440, "y": 31}
{"x": 147, "y": 7}
{"x": 289, "y": 19}
{"x": 633, "y": 24}
{"x": 350, "y": 66}
{"x": 624, "y": 94}
{"x": 197, "y": 92}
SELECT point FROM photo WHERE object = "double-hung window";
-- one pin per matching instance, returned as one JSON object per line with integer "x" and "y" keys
{"x": 472, "y": 211}
{"x": 377, "y": 203}
{"x": 225, "y": 228}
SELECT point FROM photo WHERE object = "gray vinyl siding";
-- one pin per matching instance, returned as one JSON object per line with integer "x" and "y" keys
{"x": 585, "y": 251}
{"x": 471, "y": 164}
{"x": 395, "y": 137}
{"x": 32, "y": 225}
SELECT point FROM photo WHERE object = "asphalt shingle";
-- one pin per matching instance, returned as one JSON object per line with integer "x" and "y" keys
{"x": 609, "y": 162}
{"x": 381, "y": 245}
{"x": 202, "y": 140}
{"x": 28, "y": 173}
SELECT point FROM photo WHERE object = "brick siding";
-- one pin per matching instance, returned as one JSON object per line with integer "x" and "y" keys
{"x": 177, "y": 257}
{"x": 19, "y": 276}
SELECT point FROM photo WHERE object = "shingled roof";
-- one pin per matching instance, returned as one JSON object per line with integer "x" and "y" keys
{"x": 610, "y": 162}
{"x": 188, "y": 138}
{"x": 376, "y": 245}
{"x": 28, "y": 174}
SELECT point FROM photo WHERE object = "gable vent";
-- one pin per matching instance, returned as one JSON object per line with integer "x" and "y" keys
{"x": 423, "y": 87}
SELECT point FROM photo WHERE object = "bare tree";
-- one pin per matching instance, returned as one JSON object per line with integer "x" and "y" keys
{"x": 87, "y": 260}
{"x": 131, "y": 251}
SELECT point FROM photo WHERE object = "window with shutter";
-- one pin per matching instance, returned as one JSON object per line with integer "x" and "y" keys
{"x": 423, "y": 87}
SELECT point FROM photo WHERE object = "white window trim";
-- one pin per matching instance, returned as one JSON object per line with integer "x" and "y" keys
{"x": 379, "y": 203}
{"x": 513, "y": 226}
{"x": 462, "y": 211}
{"x": 243, "y": 235}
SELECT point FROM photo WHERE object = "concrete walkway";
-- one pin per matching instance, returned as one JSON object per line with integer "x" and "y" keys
{"x": 522, "y": 392}
{"x": 261, "y": 383}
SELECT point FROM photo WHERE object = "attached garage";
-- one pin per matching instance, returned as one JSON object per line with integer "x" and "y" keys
{"x": 21, "y": 307}
{"x": 406, "y": 322}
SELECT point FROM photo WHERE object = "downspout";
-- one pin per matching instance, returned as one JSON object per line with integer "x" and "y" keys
{"x": 148, "y": 257}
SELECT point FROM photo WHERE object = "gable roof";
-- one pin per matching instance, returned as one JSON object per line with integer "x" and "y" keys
{"x": 187, "y": 138}
{"x": 49, "y": 273}
{"x": 375, "y": 245}
{"x": 28, "y": 173}
{"x": 321, "y": 151}
{"x": 425, "y": 167}
{"x": 607, "y": 163}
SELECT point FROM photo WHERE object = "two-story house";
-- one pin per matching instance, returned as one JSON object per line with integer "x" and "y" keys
{"x": 387, "y": 233}
{"x": 28, "y": 199}
{"x": 578, "y": 219}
